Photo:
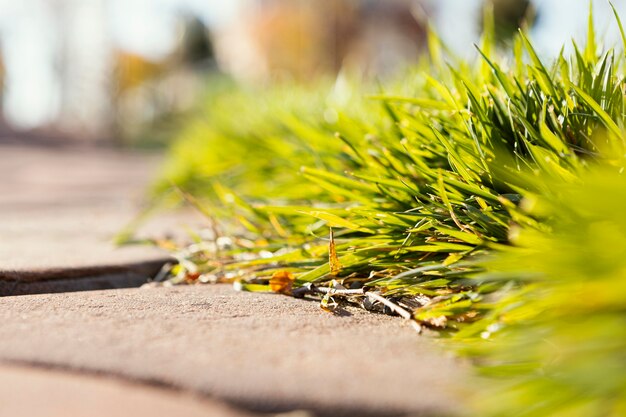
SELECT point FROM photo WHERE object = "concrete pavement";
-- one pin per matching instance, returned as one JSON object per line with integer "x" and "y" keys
{"x": 262, "y": 352}
{"x": 37, "y": 392}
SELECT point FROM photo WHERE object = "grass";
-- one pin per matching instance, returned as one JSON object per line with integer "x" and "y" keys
{"x": 483, "y": 199}
{"x": 554, "y": 343}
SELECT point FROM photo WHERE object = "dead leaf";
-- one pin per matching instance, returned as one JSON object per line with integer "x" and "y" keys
{"x": 282, "y": 282}
{"x": 192, "y": 276}
{"x": 333, "y": 260}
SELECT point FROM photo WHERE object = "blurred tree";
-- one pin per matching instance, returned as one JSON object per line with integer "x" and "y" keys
{"x": 152, "y": 94}
{"x": 196, "y": 44}
{"x": 509, "y": 15}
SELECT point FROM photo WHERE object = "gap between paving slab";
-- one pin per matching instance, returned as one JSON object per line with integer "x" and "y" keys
{"x": 261, "y": 352}
{"x": 56, "y": 280}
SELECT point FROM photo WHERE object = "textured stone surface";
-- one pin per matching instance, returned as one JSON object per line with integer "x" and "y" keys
{"x": 262, "y": 352}
{"x": 26, "y": 391}
{"x": 60, "y": 209}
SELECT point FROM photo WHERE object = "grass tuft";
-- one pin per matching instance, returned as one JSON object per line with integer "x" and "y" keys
{"x": 483, "y": 199}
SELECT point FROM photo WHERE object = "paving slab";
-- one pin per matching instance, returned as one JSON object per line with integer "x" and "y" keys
{"x": 260, "y": 352}
{"x": 60, "y": 208}
{"x": 34, "y": 392}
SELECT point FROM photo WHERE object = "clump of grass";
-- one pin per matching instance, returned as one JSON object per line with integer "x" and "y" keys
{"x": 553, "y": 345}
{"x": 466, "y": 198}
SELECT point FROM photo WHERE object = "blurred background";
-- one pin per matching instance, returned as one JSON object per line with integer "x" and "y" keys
{"x": 126, "y": 71}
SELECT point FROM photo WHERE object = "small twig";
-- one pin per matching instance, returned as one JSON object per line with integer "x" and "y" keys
{"x": 339, "y": 291}
{"x": 310, "y": 288}
{"x": 402, "y": 312}
{"x": 393, "y": 306}
{"x": 405, "y": 314}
